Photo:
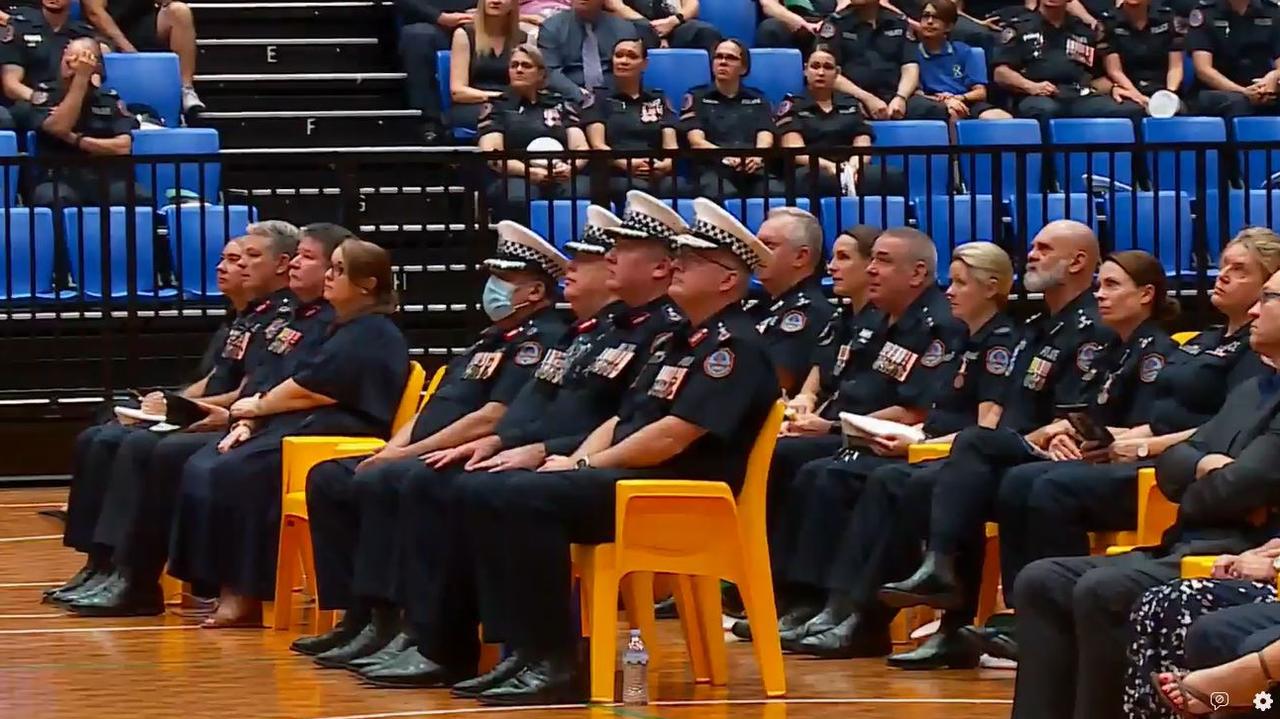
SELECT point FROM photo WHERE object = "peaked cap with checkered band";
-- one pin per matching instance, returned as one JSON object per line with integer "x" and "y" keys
{"x": 595, "y": 241}
{"x": 715, "y": 228}
{"x": 648, "y": 218}
{"x": 520, "y": 249}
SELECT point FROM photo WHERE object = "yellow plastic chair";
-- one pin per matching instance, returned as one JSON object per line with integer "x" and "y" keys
{"x": 299, "y": 455}
{"x": 699, "y": 532}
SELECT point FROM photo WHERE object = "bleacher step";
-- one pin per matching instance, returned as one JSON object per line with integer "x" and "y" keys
{"x": 345, "y": 18}
{"x": 280, "y": 54}
{"x": 244, "y": 97}
{"x": 307, "y": 128}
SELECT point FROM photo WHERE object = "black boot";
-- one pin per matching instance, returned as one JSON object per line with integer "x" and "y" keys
{"x": 837, "y": 609}
{"x": 78, "y": 579}
{"x": 375, "y": 635}
{"x": 352, "y": 622}
{"x": 547, "y": 681}
{"x": 394, "y": 648}
{"x": 944, "y": 650}
{"x": 934, "y": 584}
{"x": 857, "y": 636}
{"x": 500, "y": 674}
{"x": 999, "y": 643}
{"x": 122, "y": 599}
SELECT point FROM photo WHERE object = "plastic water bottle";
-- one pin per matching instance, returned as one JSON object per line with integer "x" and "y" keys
{"x": 635, "y": 671}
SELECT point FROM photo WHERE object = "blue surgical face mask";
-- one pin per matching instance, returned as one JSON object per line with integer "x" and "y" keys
{"x": 497, "y": 299}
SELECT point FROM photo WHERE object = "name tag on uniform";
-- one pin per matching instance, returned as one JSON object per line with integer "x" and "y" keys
{"x": 896, "y": 32}
{"x": 895, "y": 361}
{"x": 285, "y": 340}
{"x": 482, "y": 365}
{"x": 33, "y": 39}
{"x": 1037, "y": 374}
{"x": 842, "y": 358}
{"x": 237, "y": 343}
{"x": 668, "y": 382}
{"x": 552, "y": 367}
{"x": 1158, "y": 29}
{"x": 612, "y": 361}
{"x": 1263, "y": 22}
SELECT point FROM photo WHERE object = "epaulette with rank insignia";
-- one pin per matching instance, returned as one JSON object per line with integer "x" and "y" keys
{"x": 1034, "y": 318}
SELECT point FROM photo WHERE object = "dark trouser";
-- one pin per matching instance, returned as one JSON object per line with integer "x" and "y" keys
{"x": 1047, "y": 509}
{"x": 1223, "y": 103}
{"x": 875, "y": 180}
{"x": 333, "y": 519}
{"x": 1044, "y": 109}
{"x": 965, "y": 495}
{"x": 482, "y": 500}
{"x": 509, "y": 196}
{"x": 789, "y": 455}
{"x": 670, "y": 186}
{"x": 775, "y": 33}
{"x": 121, "y": 500}
{"x": 688, "y": 34}
{"x": 95, "y": 449}
{"x": 1228, "y": 634}
{"x": 720, "y": 181}
{"x": 419, "y": 42}
{"x": 1073, "y": 618}
{"x": 145, "y": 547}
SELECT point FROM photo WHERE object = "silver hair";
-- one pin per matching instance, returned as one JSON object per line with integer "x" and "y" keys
{"x": 284, "y": 236}
{"x": 803, "y": 230}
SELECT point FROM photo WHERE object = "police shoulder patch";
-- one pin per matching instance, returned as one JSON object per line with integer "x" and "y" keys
{"x": 793, "y": 321}
{"x": 1196, "y": 18}
{"x": 687, "y": 103}
{"x": 1150, "y": 367}
{"x": 932, "y": 356}
{"x": 827, "y": 30}
{"x": 718, "y": 364}
{"x": 997, "y": 360}
{"x": 486, "y": 110}
{"x": 1085, "y": 355}
{"x": 1008, "y": 35}
{"x": 528, "y": 354}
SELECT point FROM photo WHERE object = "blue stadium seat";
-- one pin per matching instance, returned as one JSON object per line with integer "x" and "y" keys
{"x": 953, "y": 220}
{"x": 1133, "y": 216}
{"x": 446, "y": 98}
{"x": 841, "y": 213}
{"x": 776, "y": 71}
{"x": 981, "y": 56}
{"x": 26, "y": 253}
{"x": 9, "y": 148}
{"x": 926, "y": 174}
{"x": 203, "y": 180}
{"x": 1243, "y": 208}
{"x": 1174, "y": 170}
{"x": 1078, "y": 171}
{"x": 558, "y": 221}
{"x": 1258, "y": 165}
{"x": 977, "y": 169}
{"x": 197, "y": 234}
{"x": 149, "y": 78}
{"x": 85, "y": 245}
{"x": 674, "y": 71}
{"x": 1041, "y": 209}
{"x": 733, "y": 18}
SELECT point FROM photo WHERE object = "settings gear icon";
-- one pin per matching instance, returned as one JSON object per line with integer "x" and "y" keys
{"x": 1262, "y": 701}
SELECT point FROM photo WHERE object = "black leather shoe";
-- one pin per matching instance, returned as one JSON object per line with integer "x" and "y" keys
{"x": 741, "y": 629}
{"x": 797, "y": 617}
{"x": 994, "y": 642}
{"x": 501, "y": 672}
{"x": 77, "y": 580}
{"x": 666, "y": 609}
{"x": 837, "y": 609}
{"x": 394, "y": 648}
{"x": 542, "y": 682}
{"x": 122, "y": 599}
{"x": 369, "y": 640}
{"x": 853, "y": 637}
{"x": 321, "y": 643}
{"x": 92, "y": 586}
{"x": 934, "y": 585}
{"x": 408, "y": 670}
{"x": 944, "y": 650}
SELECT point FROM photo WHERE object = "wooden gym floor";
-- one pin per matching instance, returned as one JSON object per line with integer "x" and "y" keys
{"x": 55, "y": 665}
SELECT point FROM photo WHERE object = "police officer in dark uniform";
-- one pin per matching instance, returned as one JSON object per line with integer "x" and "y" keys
{"x": 358, "y": 559}
{"x": 31, "y": 47}
{"x": 668, "y": 23}
{"x": 1141, "y": 50}
{"x": 632, "y": 117}
{"x": 1050, "y": 63}
{"x": 797, "y": 310}
{"x": 526, "y": 113}
{"x": 705, "y": 392}
{"x": 878, "y": 53}
{"x": 1235, "y": 45}
{"x": 728, "y": 114}
{"x": 792, "y": 23}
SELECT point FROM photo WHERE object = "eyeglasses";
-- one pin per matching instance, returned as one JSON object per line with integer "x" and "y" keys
{"x": 727, "y": 56}
{"x": 523, "y": 65}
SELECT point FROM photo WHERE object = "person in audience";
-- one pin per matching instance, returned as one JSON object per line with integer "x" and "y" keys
{"x": 535, "y": 12}
{"x": 728, "y": 114}
{"x": 479, "y": 58}
{"x": 825, "y": 117}
{"x": 792, "y": 24}
{"x": 1141, "y": 50}
{"x": 882, "y": 540}
{"x": 691, "y": 413}
{"x": 881, "y": 65}
{"x": 826, "y": 491}
{"x": 1250, "y": 637}
{"x": 951, "y": 73}
{"x": 526, "y": 113}
{"x": 631, "y": 117}
{"x": 1234, "y": 48}
{"x": 353, "y": 503}
{"x": 151, "y": 26}
{"x": 796, "y": 310}
{"x": 32, "y": 53}
{"x": 227, "y": 518}
{"x": 1075, "y": 610}
{"x": 283, "y": 346}
{"x": 579, "y": 46}
{"x": 428, "y": 27}
{"x": 1046, "y": 509}
{"x": 664, "y": 23}
{"x": 1050, "y": 65}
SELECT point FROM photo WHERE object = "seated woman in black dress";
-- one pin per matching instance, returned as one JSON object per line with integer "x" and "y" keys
{"x": 633, "y": 118}
{"x": 479, "y": 57}
{"x": 527, "y": 112}
{"x": 227, "y": 524}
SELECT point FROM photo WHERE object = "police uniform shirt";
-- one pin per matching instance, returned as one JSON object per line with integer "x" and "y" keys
{"x": 494, "y": 369}
{"x": 873, "y": 54}
{"x": 793, "y": 324}
{"x": 521, "y": 122}
{"x": 717, "y": 376}
{"x": 726, "y": 121}
{"x": 1050, "y": 363}
{"x": 1143, "y": 53}
{"x": 654, "y": 9}
{"x": 102, "y": 116}
{"x": 362, "y": 365}
{"x": 242, "y": 346}
{"x": 1244, "y": 46}
{"x": 905, "y": 367}
{"x": 976, "y": 372}
{"x": 846, "y": 334}
{"x": 1042, "y": 52}
{"x": 31, "y": 43}
{"x": 213, "y": 349}
{"x": 286, "y": 342}
{"x": 954, "y": 69}
{"x": 1124, "y": 376}
{"x": 1200, "y": 374}
{"x": 631, "y": 123}
{"x": 811, "y": 9}
{"x": 838, "y": 127}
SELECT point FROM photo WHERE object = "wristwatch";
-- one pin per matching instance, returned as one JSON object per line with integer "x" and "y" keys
{"x": 680, "y": 18}
{"x": 1275, "y": 564}
{"x": 1143, "y": 451}
{"x": 583, "y": 463}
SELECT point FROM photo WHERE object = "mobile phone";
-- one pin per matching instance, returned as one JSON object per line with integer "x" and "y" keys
{"x": 1089, "y": 430}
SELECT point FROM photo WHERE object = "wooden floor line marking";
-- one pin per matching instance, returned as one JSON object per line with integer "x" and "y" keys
{"x": 33, "y": 538}
{"x": 46, "y": 615}
{"x": 24, "y": 585}
{"x": 32, "y": 505}
{"x": 86, "y": 630}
